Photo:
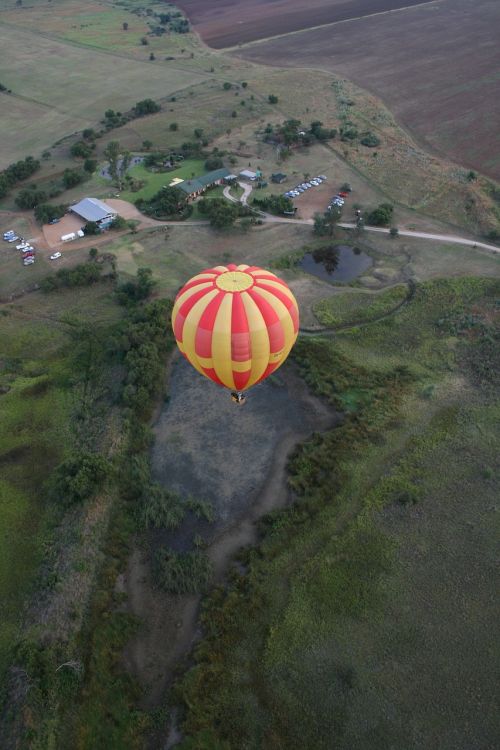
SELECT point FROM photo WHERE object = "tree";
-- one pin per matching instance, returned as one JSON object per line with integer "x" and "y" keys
{"x": 93, "y": 252}
{"x": 213, "y": 162}
{"x": 244, "y": 84}
{"x": 146, "y": 107}
{"x": 137, "y": 289}
{"x": 80, "y": 149}
{"x": 92, "y": 227}
{"x": 272, "y": 99}
{"x": 90, "y": 165}
{"x": 370, "y": 139}
{"x": 226, "y": 86}
{"x": 146, "y": 145}
{"x": 221, "y": 213}
{"x": 324, "y": 224}
{"x": 152, "y": 56}
{"x": 471, "y": 176}
{"x": 125, "y": 26}
{"x": 118, "y": 161}
{"x": 44, "y": 212}
{"x": 173, "y": 126}
{"x": 394, "y": 231}
{"x": 144, "y": 41}
{"x": 29, "y": 198}
{"x": 380, "y": 216}
{"x": 198, "y": 132}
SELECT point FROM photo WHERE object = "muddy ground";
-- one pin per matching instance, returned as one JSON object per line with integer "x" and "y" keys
{"x": 235, "y": 457}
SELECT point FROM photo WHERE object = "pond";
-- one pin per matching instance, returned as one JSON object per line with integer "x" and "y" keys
{"x": 336, "y": 262}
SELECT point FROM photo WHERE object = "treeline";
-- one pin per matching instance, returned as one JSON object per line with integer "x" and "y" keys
{"x": 84, "y": 274}
{"x": 274, "y": 204}
{"x": 17, "y": 172}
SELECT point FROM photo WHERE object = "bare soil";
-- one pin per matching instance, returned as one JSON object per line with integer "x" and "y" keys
{"x": 225, "y": 23}
{"x": 434, "y": 65}
{"x": 236, "y": 457}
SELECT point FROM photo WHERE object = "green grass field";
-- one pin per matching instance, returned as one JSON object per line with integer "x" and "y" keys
{"x": 35, "y": 414}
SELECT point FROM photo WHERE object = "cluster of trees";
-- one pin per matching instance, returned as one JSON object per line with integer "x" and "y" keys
{"x": 369, "y": 139}
{"x": 17, "y": 172}
{"x": 221, "y": 213}
{"x": 144, "y": 107}
{"x": 380, "y": 216}
{"x": 84, "y": 274}
{"x": 274, "y": 204}
{"x": 324, "y": 224}
{"x": 79, "y": 477}
{"x": 292, "y": 132}
{"x": 45, "y": 212}
{"x": 168, "y": 203}
{"x": 144, "y": 344}
{"x": 138, "y": 289}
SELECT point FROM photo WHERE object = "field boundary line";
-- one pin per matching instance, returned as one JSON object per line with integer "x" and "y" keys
{"x": 254, "y": 42}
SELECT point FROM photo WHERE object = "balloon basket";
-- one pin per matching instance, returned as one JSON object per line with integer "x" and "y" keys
{"x": 238, "y": 398}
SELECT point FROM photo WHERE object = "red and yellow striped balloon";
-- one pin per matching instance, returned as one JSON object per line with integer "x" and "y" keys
{"x": 235, "y": 324}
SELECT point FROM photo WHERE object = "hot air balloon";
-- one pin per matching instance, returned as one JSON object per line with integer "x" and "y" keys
{"x": 236, "y": 325}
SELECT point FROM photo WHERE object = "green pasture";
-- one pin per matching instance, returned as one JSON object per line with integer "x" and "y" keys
{"x": 70, "y": 87}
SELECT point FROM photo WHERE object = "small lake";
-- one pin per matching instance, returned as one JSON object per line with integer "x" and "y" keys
{"x": 336, "y": 262}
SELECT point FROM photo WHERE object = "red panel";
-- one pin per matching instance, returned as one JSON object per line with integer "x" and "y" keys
{"x": 196, "y": 282}
{"x": 268, "y": 371}
{"x": 210, "y": 373}
{"x": 241, "y": 379}
{"x": 203, "y": 340}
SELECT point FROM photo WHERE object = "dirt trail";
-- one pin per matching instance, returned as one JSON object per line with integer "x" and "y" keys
{"x": 242, "y": 470}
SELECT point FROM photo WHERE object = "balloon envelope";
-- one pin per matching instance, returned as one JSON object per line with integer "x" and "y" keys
{"x": 235, "y": 324}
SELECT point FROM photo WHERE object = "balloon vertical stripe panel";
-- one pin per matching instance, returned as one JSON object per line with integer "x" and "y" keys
{"x": 235, "y": 324}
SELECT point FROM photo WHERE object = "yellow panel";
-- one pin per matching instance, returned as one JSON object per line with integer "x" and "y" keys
{"x": 187, "y": 294}
{"x": 234, "y": 281}
{"x": 191, "y": 326}
{"x": 221, "y": 342}
{"x": 259, "y": 339}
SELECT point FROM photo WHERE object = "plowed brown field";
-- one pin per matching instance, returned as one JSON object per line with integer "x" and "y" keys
{"x": 437, "y": 68}
{"x": 225, "y": 23}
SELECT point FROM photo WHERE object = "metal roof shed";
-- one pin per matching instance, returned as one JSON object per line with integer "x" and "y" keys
{"x": 92, "y": 209}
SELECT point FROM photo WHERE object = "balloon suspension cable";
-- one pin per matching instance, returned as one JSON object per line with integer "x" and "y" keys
{"x": 238, "y": 397}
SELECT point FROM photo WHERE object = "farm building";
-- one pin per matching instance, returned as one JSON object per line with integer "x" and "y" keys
{"x": 198, "y": 185}
{"x": 279, "y": 177}
{"x": 92, "y": 209}
{"x": 247, "y": 174}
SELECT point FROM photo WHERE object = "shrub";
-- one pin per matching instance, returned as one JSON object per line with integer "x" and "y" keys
{"x": 146, "y": 107}
{"x": 380, "y": 216}
{"x": 182, "y": 573}
{"x": 173, "y": 126}
{"x": 161, "y": 508}
{"x": 272, "y": 99}
{"x": 79, "y": 477}
{"x": 370, "y": 139}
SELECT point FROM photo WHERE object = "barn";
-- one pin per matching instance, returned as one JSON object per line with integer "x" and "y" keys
{"x": 92, "y": 209}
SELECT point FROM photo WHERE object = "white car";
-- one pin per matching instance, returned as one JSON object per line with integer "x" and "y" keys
{"x": 55, "y": 256}
{"x": 14, "y": 238}
{"x": 28, "y": 261}
{"x": 322, "y": 177}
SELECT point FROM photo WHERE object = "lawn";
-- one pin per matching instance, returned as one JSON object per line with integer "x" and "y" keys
{"x": 154, "y": 181}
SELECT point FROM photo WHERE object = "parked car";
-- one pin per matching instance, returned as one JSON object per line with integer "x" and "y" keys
{"x": 55, "y": 256}
{"x": 14, "y": 238}
{"x": 28, "y": 261}
{"x": 323, "y": 177}
{"x": 343, "y": 194}
{"x": 54, "y": 221}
